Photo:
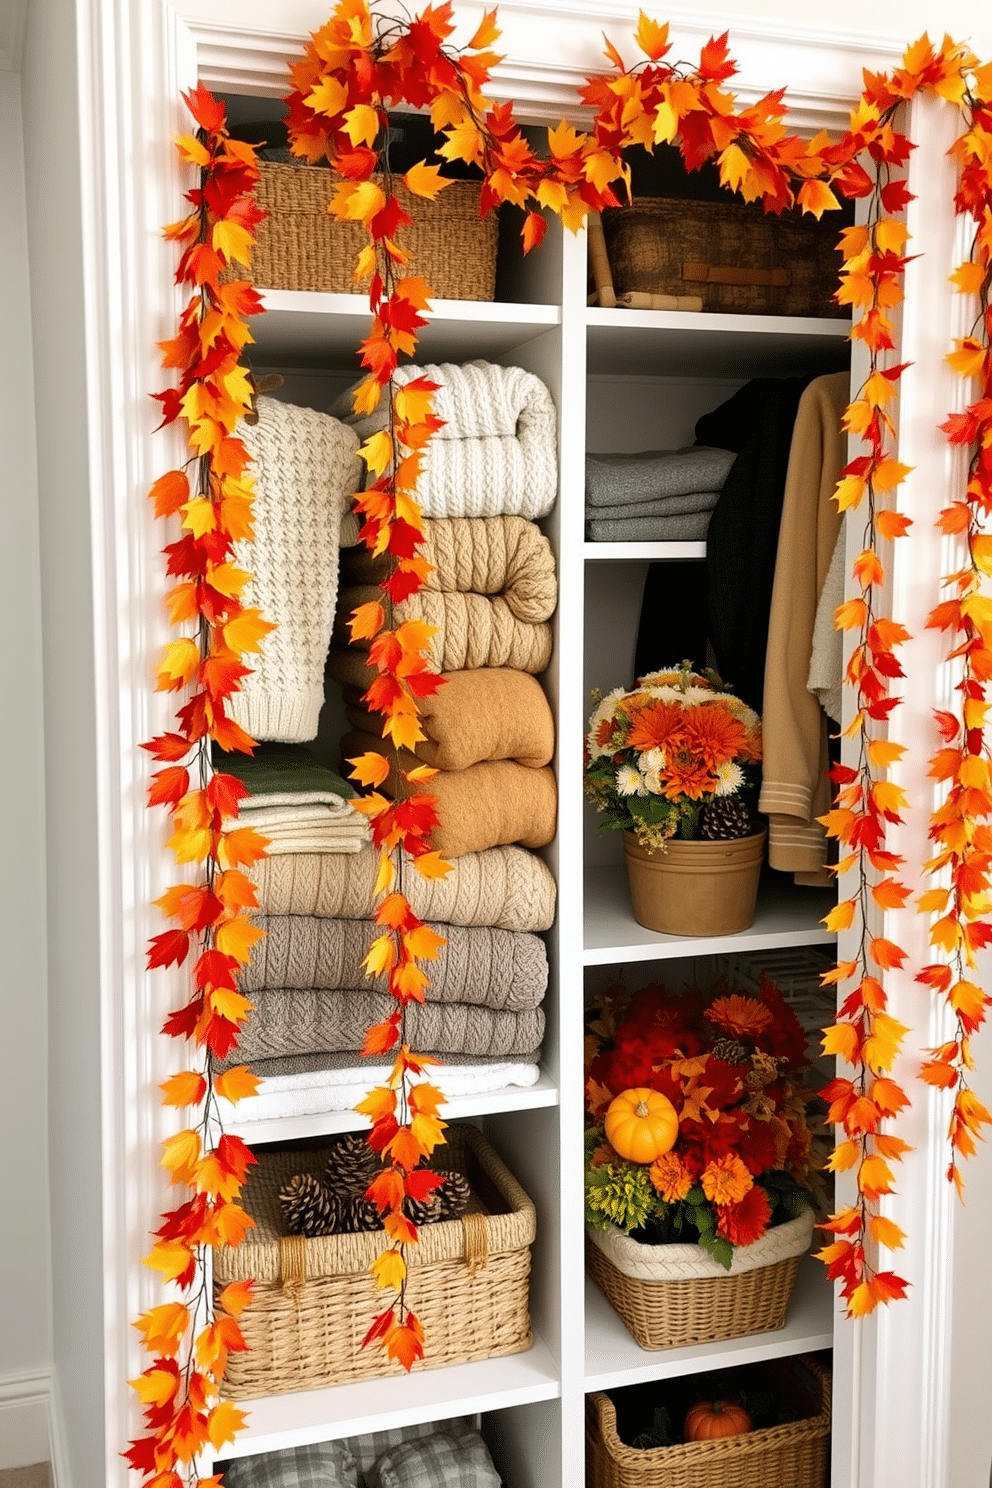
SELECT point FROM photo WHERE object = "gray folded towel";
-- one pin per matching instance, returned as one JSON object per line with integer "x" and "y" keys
{"x": 690, "y": 528}
{"x": 298, "y": 1022}
{"x": 664, "y": 506}
{"x": 616, "y": 479}
{"x": 483, "y": 966}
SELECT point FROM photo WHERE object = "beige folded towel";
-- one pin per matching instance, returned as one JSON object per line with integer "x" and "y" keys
{"x": 487, "y": 805}
{"x": 507, "y": 887}
{"x": 488, "y": 714}
{"x": 487, "y": 967}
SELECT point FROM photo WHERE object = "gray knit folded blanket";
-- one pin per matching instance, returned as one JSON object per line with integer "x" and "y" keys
{"x": 616, "y": 479}
{"x": 486, "y": 967}
{"x": 309, "y": 1022}
{"x": 692, "y": 527}
{"x": 664, "y": 506}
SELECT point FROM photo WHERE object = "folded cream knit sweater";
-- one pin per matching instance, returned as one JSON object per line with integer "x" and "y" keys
{"x": 305, "y": 470}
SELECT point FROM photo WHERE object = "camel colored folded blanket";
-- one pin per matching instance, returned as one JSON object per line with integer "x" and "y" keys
{"x": 497, "y": 449}
{"x": 615, "y": 479}
{"x": 488, "y": 714}
{"x": 487, "y": 805}
{"x": 314, "y": 1092}
{"x": 491, "y": 968}
{"x": 506, "y": 887}
{"x": 469, "y": 630}
{"x": 298, "y": 1022}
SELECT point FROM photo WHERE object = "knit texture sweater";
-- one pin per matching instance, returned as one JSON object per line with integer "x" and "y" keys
{"x": 497, "y": 451}
{"x": 305, "y": 469}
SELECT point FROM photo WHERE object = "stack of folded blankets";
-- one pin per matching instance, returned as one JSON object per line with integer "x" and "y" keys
{"x": 490, "y": 734}
{"x": 654, "y": 496}
{"x": 295, "y": 802}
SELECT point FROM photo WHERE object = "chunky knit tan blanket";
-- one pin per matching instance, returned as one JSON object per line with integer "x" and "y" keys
{"x": 506, "y": 887}
{"x": 491, "y": 968}
{"x": 487, "y": 805}
{"x": 490, "y": 596}
{"x": 487, "y": 714}
{"x": 308, "y": 1022}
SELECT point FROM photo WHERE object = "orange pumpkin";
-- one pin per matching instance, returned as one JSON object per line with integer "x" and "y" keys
{"x": 714, "y": 1418}
{"x": 641, "y": 1124}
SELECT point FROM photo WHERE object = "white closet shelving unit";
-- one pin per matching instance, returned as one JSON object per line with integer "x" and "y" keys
{"x": 599, "y": 365}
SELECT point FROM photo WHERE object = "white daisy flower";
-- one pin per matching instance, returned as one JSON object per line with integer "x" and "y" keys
{"x": 629, "y": 781}
{"x": 730, "y": 778}
{"x": 606, "y": 709}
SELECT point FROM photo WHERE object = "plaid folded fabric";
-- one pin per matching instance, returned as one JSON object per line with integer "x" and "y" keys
{"x": 440, "y": 1461}
{"x": 317, "y": 1465}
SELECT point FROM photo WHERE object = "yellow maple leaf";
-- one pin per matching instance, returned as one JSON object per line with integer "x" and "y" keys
{"x": 378, "y": 1103}
{"x": 861, "y": 1301}
{"x": 425, "y": 180}
{"x": 844, "y": 1156}
{"x": 199, "y": 516}
{"x": 223, "y": 1423}
{"x": 886, "y": 1232}
{"x": 377, "y": 451}
{"x": 388, "y": 1270}
{"x": 180, "y": 1154}
{"x": 427, "y": 1131}
{"x": 369, "y": 769}
{"x": 884, "y": 752}
{"x": 969, "y": 359}
{"x": 651, "y": 36}
{"x": 247, "y": 631}
{"x": 849, "y": 492}
{"x": 192, "y": 149}
{"x": 968, "y": 277}
{"x": 874, "y": 1177}
{"x": 155, "y": 1387}
{"x": 236, "y": 1083}
{"x": 841, "y": 1039}
{"x": 404, "y": 729}
{"x": 236, "y": 936}
{"x": 381, "y": 956}
{"x": 328, "y": 97}
{"x": 162, "y": 1328}
{"x": 361, "y": 124}
{"x": 423, "y": 943}
{"x": 186, "y": 1089}
{"x": 882, "y": 1045}
{"x": 432, "y": 865}
{"x": 179, "y": 665}
{"x": 891, "y": 235}
{"x": 841, "y": 917}
{"x": 170, "y": 1257}
{"x": 227, "y": 1004}
{"x": 232, "y": 241}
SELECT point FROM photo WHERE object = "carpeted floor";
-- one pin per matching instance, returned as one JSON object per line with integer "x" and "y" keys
{"x": 26, "y": 1477}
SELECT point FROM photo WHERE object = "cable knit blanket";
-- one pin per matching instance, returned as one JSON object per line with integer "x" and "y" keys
{"x": 312, "y": 1092}
{"x": 497, "y": 450}
{"x": 305, "y": 469}
{"x": 492, "y": 589}
{"x": 487, "y": 805}
{"x": 308, "y": 1022}
{"x": 350, "y": 1061}
{"x": 491, "y": 968}
{"x": 506, "y": 887}
{"x": 489, "y": 714}
{"x": 616, "y": 479}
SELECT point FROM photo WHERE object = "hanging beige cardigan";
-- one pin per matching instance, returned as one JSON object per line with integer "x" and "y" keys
{"x": 795, "y": 790}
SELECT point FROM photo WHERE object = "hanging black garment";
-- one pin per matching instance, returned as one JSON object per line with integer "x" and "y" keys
{"x": 742, "y": 541}
{"x": 673, "y": 617}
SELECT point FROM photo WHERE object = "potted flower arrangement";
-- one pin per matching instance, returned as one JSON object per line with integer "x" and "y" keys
{"x": 698, "y": 1161}
{"x": 668, "y": 763}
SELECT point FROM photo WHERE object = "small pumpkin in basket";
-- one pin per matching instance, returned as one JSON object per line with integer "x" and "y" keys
{"x": 641, "y": 1124}
{"x": 710, "y": 1419}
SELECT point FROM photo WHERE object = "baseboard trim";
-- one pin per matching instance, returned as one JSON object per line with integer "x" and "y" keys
{"x": 26, "y": 1418}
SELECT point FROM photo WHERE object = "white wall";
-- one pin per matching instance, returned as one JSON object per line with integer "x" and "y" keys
{"x": 52, "y": 171}
{"x": 25, "y": 1274}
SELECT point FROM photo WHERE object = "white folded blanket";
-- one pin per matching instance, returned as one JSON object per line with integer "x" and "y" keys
{"x": 497, "y": 453}
{"x": 316, "y": 828}
{"x": 314, "y": 1092}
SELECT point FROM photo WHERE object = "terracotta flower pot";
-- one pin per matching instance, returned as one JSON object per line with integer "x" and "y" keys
{"x": 695, "y": 888}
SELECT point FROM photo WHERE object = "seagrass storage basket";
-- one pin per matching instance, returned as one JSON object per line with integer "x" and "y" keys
{"x": 670, "y": 1296}
{"x": 793, "y": 1455}
{"x": 300, "y": 245}
{"x": 733, "y": 254}
{"x": 314, "y": 1300}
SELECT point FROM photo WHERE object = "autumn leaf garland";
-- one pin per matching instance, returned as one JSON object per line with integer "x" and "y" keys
{"x": 189, "y": 1341}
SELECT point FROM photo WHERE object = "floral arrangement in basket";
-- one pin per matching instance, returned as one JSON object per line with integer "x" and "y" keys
{"x": 673, "y": 756}
{"x": 698, "y": 1131}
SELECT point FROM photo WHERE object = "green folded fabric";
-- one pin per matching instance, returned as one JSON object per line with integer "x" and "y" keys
{"x": 284, "y": 770}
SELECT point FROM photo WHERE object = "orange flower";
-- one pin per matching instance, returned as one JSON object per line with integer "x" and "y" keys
{"x": 747, "y": 1221}
{"x": 685, "y": 774}
{"x": 714, "y": 734}
{"x": 670, "y": 1177}
{"x": 726, "y": 1180}
{"x": 740, "y": 1015}
{"x": 657, "y": 725}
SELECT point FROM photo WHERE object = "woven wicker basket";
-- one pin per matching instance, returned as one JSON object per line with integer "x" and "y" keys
{"x": 301, "y": 246}
{"x": 670, "y": 1311}
{"x": 731, "y": 253}
{"x": 314, "y": 1300}
{"x": 790, "y": 1456}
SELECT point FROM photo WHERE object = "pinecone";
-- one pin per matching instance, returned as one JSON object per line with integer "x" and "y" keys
{"x": 724, "y": 818}
{"x": 730, "y": 1051}
{"x": 308, "y": 1208}
{"x": 351, "y": 1165}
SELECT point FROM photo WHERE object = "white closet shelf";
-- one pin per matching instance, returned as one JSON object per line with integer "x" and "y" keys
{"x": 277, "y": 1421}
{"x": 644, "y": 552}
{"x": 302, "y": 328}
{"x": 697, "y": 344}
{"x": 614, "y": 1359}
{"x": 786, "y": 916}
{"x": 294, "y": 1128}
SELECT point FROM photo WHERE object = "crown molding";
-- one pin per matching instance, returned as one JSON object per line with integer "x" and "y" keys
{"x": 550, "y": 47}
